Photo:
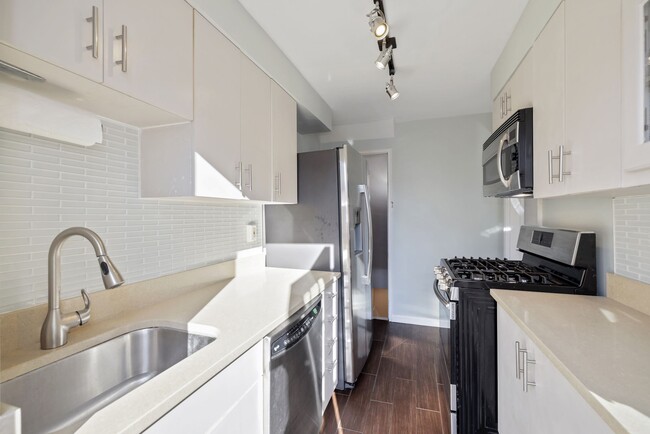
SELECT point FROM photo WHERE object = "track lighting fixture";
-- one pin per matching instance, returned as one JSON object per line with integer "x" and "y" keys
{"x": 378, "y": 25}
{"x": 384, "y": 57}
{"x": 379, "y": 28}
{"x": 391, "y": 90}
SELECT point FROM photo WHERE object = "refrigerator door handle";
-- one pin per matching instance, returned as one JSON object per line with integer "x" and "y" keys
{"x": 366, "y": 278}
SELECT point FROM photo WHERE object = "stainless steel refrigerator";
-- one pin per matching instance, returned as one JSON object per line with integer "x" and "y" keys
{"x": 330, "y": 229}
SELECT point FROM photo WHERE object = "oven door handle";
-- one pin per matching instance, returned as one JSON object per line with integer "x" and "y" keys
{"x": 444, "y": 300}
{"x": 504, "y": 181}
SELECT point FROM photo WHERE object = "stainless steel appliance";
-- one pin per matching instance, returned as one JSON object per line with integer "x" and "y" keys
{"x": 330, "y": 229}
{"x": 508, "y": 158}
{"x": 293, "y": 372}
{"x": 555, "y": 260}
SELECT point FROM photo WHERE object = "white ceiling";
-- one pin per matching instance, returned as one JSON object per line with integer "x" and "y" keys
{"x": 445, "y": 52}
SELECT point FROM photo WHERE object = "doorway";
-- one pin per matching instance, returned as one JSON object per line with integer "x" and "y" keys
{"x": 378, "y": 171}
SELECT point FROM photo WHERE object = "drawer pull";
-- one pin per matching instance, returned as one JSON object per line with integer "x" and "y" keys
{"x": 527, "y": 362}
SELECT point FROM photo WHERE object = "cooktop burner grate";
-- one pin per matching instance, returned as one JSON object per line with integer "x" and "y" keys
{"x": 500, "y": 270}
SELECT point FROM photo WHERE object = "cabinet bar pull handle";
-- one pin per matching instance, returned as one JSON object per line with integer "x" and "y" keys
{"x": 508, "y": 103}
{"x": 562, "y": 155}
{"x": 249, "y": 185}
{"x": 124, "y": 40}
{"x": 94, "y": 19}
{"x": 550, "y": 166}
{"x": 239, "y": 175}
{"x": 517, "y": 359}
{"x": 502, "y": 111}
{"x": 280, "y": 184}
{"x": 527, "y": 362}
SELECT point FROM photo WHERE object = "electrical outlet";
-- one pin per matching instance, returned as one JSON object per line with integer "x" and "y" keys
{"x": 251, "y": 233}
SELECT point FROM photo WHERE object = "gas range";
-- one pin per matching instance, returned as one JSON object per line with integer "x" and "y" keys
{"x": 503, "y": 274}
{"x": 554, "y": 260}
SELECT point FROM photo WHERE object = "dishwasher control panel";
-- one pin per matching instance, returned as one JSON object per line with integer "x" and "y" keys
{"x": 297, "y": 332}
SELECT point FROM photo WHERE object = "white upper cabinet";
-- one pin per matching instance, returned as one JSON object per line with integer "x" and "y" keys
{"x": 67, "y": 33}
{"x": 516, "y": 94}
{"x": 217, "y": 113}
{"x": 148, "y": 52}
{"x": 285, "y": 146}
{"x": 548, "y": 110}
{"x": 255, "y": 132}
{"x": 636, "y": 93}
{"x": 577, "y": 93}
{"x": 593, "y": 95}
{"x": 242, "y": 142}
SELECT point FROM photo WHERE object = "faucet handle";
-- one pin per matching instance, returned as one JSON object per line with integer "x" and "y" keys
{"x": 84, "y": 314}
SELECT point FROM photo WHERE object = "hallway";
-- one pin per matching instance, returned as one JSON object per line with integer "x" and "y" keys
{"x": 400, "y": 390}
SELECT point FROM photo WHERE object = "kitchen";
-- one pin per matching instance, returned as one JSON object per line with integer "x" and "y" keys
{"x": 213, "y": 156}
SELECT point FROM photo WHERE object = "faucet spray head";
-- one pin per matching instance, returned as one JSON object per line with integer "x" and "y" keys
{"x": 110, "y": 274}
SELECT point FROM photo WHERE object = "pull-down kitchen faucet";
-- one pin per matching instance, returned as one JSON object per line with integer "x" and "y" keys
{"x": 54, "y": 332}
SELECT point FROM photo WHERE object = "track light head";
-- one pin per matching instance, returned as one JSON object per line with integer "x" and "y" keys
{"x": 378, "y": 25}
{"x": 391, "y": 90}
{"x": 384, "y": 57}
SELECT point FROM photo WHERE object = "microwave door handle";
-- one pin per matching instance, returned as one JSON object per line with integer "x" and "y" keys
{"x": 504, "y": 181}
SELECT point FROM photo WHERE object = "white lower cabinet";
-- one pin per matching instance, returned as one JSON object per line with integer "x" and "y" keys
{"x": 230, "y": 403}
{"x": 534, "y": 397}
{"x": 330, "y": 341}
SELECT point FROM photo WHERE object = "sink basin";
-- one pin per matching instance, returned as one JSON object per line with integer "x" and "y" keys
{"x": 61, "y": 396}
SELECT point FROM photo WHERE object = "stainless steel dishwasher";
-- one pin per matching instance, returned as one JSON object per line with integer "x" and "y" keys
{"x": 293, "y": 374}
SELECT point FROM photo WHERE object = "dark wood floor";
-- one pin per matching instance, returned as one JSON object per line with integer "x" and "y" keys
{"x": 400, "y": 389}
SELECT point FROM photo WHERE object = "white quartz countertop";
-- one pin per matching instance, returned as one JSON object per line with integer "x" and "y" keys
{"x": 601, "y": 346}
{"x": 239, "y": 310}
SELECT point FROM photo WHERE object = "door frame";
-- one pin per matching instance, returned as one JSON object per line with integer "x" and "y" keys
{"x": 389, "y": 241}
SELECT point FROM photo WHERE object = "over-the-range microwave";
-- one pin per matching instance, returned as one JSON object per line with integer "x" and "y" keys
{"x": 508, "y": 158}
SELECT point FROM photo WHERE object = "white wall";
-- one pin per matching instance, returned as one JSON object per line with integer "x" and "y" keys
{"x": 439, "y": 209}
{"x": 589, "y": 214}
{"x": 46, "y": 187}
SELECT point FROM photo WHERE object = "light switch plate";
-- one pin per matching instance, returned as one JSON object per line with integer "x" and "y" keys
{"x": 251, "y": 233}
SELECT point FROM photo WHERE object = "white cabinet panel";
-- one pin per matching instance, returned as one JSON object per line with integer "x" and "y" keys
{"x": 593, "y": 94}
{"x": 636, "y": 93}
{"x": 285, "y": 145}
{"x": 552, "y": 404}
{"x": 217, "y": 112}
{"x": 229, "y": 403}
{"x": 548, "y": 95}
{"x": 57, "y": 32}
{"x": 157, "y": 51}
{"x": 255, "y": 131}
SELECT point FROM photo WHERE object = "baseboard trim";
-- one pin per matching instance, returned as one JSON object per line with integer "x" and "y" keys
{"x": 416, "y": 320}
{"x": 384, "y": 318}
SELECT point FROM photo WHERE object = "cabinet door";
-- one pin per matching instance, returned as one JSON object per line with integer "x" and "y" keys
{"x": 636, "y": 93}
{"x": 231, "y": 402}
{"x": 593, "y": 94}
{"x": 497, "y": 112}
{"x": 521, "y": 86}
{"x": 285, "y": 146}
{"x": 256, "y": 131}
{"x": 217, "y": 112}
{"x": 548, "y": 99}
{"x": 552, "y": 404}
{"x": 516, "y": 419}
{"x": 57, "y": 32}
{"x": 157, "y": 51}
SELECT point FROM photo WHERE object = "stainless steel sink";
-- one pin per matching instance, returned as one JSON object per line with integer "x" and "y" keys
{"x": 61, "y": 396}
